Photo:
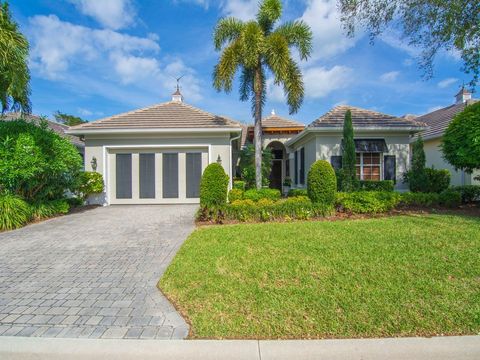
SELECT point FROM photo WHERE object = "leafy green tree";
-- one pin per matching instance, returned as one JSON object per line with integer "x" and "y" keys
{"x": 37, "y": 164}
{"x": 247, "y": 166}
{"x": 14, "y": 73}
{"x": 430, "y": 25}
{"x": 256, "y": 48}
{"x": 461, "y": 140}
{"x": 416, "y": 176}
{"x": 349, "y": 173}
{"x": 69, "y": 120}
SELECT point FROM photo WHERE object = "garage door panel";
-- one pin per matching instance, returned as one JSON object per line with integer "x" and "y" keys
{"x": 193, "y": 169}
{"x": 170, "y": 175}
{"x": 123, "y": 176}
{"x": 147, "y": 176}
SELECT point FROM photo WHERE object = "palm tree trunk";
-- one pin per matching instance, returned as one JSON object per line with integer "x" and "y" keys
{"x": 258, "y": 87}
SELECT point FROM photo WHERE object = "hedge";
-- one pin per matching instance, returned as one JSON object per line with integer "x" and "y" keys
{"x": 235, "y": 194}
{"x": 367, "y": 202}
{"x": 297, "y": 192}
{"x": 448, "y": 198}
{"x": 469, "y": 193}
{"x": 256, "y": 195}
{"x": 322, "y": 183}
{"x": 370, "y": 185}
{"x": 213, "y": 186}
{"x": 239, "y": 184}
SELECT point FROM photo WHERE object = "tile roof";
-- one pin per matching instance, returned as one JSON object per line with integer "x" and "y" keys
{"x": 173, "y": 114}
{"x": 438, "y": 120}
{"x": 362, "y": 118}
{"x": 275, "y": 121}
{"x": 58, "y": 128}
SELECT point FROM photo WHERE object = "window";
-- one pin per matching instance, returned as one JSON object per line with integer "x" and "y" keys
{"x": 369, "y": 166}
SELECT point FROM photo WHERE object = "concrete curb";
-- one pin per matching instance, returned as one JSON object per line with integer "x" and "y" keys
{"x": 438, "y": 348}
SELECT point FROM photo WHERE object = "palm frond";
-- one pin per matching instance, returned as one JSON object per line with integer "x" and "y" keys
{"x": 253, "y": 44}
{"x": 246, "y": 84}
{"x": 297, "y": 34}
{"x": 269, "y": 13}
{"x": 293, "y": 87}
{"x": 224, "y": 71}
{"x": 277, "y": 56}
{"x": 226, "y": 31}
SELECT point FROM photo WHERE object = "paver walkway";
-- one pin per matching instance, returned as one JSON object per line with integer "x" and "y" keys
{"x": 93, "y": 274}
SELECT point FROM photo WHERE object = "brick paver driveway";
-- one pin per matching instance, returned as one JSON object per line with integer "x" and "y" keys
{"x": 93, "y": 274}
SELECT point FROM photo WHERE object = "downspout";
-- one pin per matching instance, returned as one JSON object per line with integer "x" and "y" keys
{"x": 231, "y": 157}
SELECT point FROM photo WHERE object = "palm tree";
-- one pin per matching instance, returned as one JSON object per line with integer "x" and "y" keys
{"x": 14, "y": 73}
{"x": 256, "y": 49}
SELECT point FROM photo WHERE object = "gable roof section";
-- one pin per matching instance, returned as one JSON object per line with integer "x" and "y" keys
{"x": 363, "y": 118}
{"x": 275, "y": 121}
{"x": 438, "y": 120}
{"x": 169, "y": 115}
{"x": 60, "y": 129}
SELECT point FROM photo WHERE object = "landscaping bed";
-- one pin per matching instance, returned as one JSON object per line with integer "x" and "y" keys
{"x": 409, "y": 275}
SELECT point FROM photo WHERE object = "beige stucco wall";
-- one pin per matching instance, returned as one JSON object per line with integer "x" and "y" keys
{"x": 322, "y": 146}
{"x": 102, "y": 147}
{"x": 433, "y": 155}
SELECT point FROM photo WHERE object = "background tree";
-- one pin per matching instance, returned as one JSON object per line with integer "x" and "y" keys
{"x": 247, "y": 166}
{"x": 416, "y": 176}
{"x": 256, "y": 49}
{"x": 461, "y": 140}
{"x": 349, "y": 173}
{"x": 14, "y": 73}
{"x": 430, "y": 25}
{"x": 69, "y": 120}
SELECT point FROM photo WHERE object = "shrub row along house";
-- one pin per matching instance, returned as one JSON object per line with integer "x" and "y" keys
{"x": 156, "y": 155}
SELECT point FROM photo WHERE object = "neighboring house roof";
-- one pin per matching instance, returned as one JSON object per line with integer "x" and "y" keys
{"x": 60, "y": 129}
{"x": 362, "y": 118}
{"x": 275, "y": 121}
{"x": 169, "y": 115}
{"x": 438, "y": 120}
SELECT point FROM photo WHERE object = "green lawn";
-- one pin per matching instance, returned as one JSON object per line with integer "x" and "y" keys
{"x": 396, "y": 276}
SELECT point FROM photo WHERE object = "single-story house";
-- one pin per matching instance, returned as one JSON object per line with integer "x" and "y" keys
{"x": 437, "y": 122}
{"x": 156, "y": 155}
{"x": 60, "y": 129}
{"x": 381, "y": 141}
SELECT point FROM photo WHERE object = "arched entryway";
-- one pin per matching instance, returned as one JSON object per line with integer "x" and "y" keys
{"x": 277, "y": 174}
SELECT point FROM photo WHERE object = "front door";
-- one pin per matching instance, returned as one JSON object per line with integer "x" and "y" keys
{"x": 276, "y": 175}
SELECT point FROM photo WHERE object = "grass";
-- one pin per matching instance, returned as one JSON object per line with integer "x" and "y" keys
{"x": 398, "y": 276}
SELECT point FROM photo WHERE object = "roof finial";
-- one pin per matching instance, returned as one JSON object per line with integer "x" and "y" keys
{"x": 177, "y": 95}
{"x": 273, "y": 111}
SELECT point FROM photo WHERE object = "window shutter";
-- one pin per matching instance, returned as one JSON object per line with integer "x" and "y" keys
{"x": 296, "y": 167}
{"x": 389, "y": 168}
{"x": 302, "y": 166}
{"x": 336, "y": 162}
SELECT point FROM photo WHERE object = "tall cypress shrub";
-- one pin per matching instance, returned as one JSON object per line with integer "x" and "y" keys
{"x": 348, "y": 159}
{"x": 417, "y": 177}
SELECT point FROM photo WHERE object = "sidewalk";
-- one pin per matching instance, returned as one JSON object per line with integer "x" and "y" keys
{"x": 439, "y": 348}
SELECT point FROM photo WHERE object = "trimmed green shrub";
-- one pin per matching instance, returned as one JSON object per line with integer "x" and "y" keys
{"x": 367, "y": 202}
{"x": 239, "y": 184}
{"x": 469, "y": 193}
{"x": 14, "y": 212}
{"x": 419, "y": 199}
{"x": 450, "y": 198}
{"x": 322, "y": 183}
{"x": 50, "y": 209}
{"x": 370, "y": 185}
{"x": 89, "y": 182}
{"x": 235, "y": 194}
{"x": 256, "y": 195}
{"x": 297, "y": 192}
{"x": 416, "y": 177}
{"x": 436, "y": 180}
{"x": 213, "y": 186}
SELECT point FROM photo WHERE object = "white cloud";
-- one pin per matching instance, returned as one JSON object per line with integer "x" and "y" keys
{"x": 389, "y": 76}
{"x": 113, "y": 14}
{"x": 446, "y": 82}
{"x": 328, "y": 35}
{"x": 241, "y": 9}
{"x": 68, "y": 52}
{"x": 319, "y": 82}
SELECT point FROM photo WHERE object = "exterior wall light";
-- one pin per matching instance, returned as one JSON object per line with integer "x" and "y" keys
{"x": 219, "y": 160}
{"x": 94, "y": 163}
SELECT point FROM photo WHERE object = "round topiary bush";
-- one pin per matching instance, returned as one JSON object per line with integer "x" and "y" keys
{"x": 322, "y": 183}
{"x": 213, "y": 186}
{"x": 14, "y": 212}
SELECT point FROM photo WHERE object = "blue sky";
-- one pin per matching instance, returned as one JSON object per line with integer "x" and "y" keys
{"x": 95, "y": 58}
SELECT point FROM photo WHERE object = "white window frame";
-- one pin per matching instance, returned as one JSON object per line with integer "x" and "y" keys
{"x": 361, "y": 163}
